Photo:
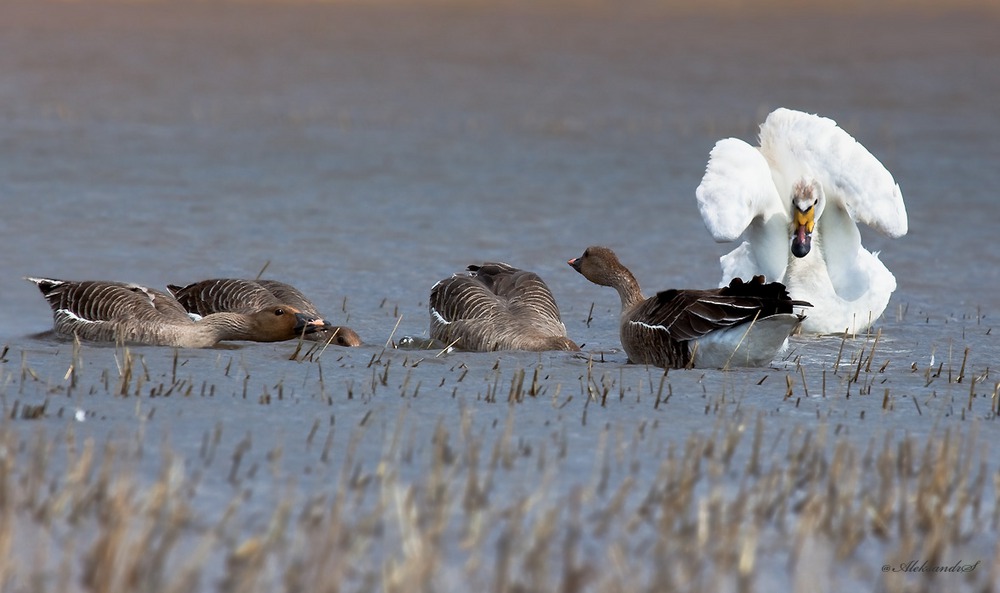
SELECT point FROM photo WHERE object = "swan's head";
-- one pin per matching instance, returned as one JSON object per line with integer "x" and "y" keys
{"x": 807, "y": 206}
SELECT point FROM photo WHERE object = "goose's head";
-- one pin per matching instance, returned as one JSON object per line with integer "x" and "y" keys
{"x": 337, "y": 335}
{"x": 597, "y": 264}
{"x": 808, "y": 202}
{"x": 281, "y": 322}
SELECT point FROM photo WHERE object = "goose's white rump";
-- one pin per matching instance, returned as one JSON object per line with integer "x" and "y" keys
{"x": 797, "y": 200}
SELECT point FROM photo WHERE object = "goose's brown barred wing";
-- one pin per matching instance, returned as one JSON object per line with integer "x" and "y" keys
{"x": 110, "y": 311}
{"x": 691, "y": 314}
{"x": 106, "y": 301}
{"x": 223, "y": 294}
{"x": 496, "y": 307}
{"x": 526, "y": 293}
{"x": 772, "y": 296}
{"x": 460, "y": 297}
{"x": 289, "y": 295}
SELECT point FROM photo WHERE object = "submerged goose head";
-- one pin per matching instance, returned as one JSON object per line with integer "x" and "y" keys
{"x": 808, "y": 202}
{"x": 337, "y": 335}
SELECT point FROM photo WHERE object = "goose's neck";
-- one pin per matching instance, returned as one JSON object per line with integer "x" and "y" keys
{"x": 627, "y": 286}
{"x": 226, "y": 326}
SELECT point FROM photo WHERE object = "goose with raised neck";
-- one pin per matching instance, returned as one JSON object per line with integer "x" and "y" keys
{"x": 742, "y": 324}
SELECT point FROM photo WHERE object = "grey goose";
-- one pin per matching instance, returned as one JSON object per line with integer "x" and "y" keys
{"x": 742, "y": 324}
{"x": 241, "y": 296}
{"x": 495, "y": 306}
{"x": 107, "y": 311}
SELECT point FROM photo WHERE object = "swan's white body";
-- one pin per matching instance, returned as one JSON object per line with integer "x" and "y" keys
{"x": 804, "y": 190}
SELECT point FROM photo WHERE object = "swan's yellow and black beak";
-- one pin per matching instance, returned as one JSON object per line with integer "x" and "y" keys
{"x": 805, "y": 222}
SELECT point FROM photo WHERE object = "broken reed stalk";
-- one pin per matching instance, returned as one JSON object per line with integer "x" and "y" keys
{"x": 393, "y": 332}
{"x": 447, "y": 348}
{"x": 740, "y": 343}
{"x": 871, "y": 354}
{"x": 840, "y": 353}
{"x": 972, "y": 390}
{"x": 124, "y": 372}
{"x": 659, "y": 391}
{"x": 260, "y": 274}
{"x": 961, "y": 371}
{"x": 326, "y": 343}
{"x": 694, "y": 352}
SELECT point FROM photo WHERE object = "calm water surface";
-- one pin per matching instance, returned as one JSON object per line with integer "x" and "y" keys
{"x": 364, "y": 152}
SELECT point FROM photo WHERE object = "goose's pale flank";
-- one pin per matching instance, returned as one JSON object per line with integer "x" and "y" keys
{"x": 742, "y": 324}
{"x": 242, "y": 296}
{"x": 797, "y": 200}
{"x": 129, "y": 313}
{"x": 495, "y": 306}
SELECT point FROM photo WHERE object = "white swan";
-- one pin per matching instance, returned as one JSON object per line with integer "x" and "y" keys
{"x": 797, "y": 199}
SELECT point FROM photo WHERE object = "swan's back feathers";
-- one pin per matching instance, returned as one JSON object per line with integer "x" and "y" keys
{"x": 798, "y": 145}
{"x": 737, "y": 188}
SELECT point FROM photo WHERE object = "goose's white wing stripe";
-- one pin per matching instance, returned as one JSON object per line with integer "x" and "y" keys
{"x": 73, "y": 317}
{"x": 437, "y": 316}
{"x": 709, "y": 301}
{"x": 649, "y": 326}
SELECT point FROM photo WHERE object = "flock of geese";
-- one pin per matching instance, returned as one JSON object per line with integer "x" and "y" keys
{"x": 796, "y": 199}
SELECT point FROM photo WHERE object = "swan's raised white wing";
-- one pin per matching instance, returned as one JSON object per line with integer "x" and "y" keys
{"x": 800, "y": 145}
{"x": 736, "y": 189}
